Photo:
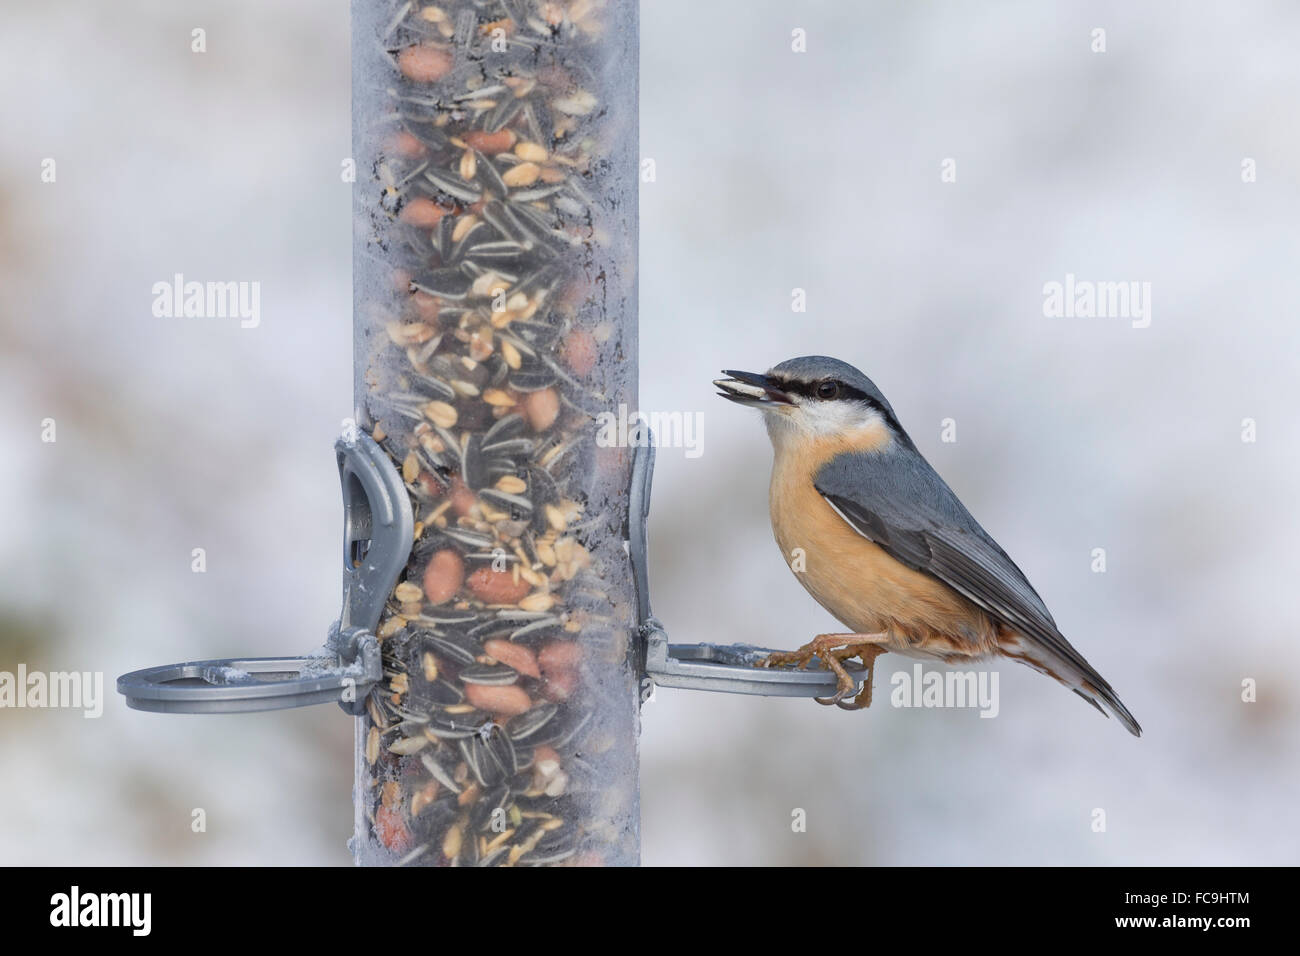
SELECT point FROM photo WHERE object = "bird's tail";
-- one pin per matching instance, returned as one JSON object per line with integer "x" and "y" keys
{"x": 1075, "y": 673}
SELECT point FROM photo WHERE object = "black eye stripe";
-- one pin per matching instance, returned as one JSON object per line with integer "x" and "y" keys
{"x": 846, "y": 392}
{"x": 809, "y": 390}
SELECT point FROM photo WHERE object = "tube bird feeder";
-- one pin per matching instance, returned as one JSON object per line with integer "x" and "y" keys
{"x": 495, "y": 318}
{"x": 487, "y": 642}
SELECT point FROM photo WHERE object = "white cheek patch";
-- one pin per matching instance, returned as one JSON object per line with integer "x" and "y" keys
{"x": 836, "y": 418}
{"x": 781, "y": 426}
{"x": 813, "y": 419}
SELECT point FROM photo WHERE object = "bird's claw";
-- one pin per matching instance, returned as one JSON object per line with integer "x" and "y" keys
{"x": 832, "y": 650}
{"x": 844, "y": 688}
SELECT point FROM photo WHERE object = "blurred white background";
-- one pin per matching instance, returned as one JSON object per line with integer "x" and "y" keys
{"x": 775, "y": 170}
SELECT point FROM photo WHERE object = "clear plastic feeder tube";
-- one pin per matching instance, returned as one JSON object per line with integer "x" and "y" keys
{"x": 495, "y": 321}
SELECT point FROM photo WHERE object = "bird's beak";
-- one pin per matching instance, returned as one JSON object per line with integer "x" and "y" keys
{"x": 752, "y": 389}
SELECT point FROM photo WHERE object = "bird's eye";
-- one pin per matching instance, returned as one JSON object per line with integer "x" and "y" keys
{"x": 828, "y": 389}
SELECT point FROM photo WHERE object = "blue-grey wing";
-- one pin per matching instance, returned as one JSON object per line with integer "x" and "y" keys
{"x": 900, "y": 503}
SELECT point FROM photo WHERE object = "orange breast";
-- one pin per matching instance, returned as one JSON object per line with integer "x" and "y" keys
{"x": 856, "y": 580}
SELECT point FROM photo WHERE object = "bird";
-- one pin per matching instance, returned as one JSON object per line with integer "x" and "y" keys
{"x": 886, "y": 546}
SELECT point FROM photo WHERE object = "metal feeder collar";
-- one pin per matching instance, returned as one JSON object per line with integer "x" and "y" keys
{"x": 378, "y": 531}
{"x": 725, "y": 668}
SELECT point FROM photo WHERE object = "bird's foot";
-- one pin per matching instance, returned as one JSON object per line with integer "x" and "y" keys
{"x": 832, "y": 650}
{"x": 867, "y": 653}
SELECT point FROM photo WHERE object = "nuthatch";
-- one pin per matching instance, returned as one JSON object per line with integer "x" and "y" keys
{"x": 887, "y": 547}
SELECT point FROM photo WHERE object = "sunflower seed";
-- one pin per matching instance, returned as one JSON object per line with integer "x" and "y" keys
{"x": 491, "y": 676}
{"x": 453, "y": 185}
{"x": 529, "y": 722}
{"x": 438, "y": 773}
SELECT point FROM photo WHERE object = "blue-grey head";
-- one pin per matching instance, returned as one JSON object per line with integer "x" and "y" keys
{"x": 813, "y": 396}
